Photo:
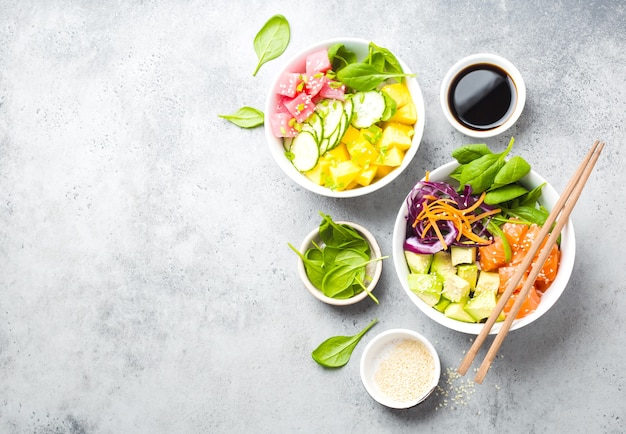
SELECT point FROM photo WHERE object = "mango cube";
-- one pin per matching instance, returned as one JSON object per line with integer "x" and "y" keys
{"x": 399, "y": 92}
{"x": 407, "y": 114}
{"x": 338, "y": 154}
{"x": 408, "y": 129}
{"x": 320, "y": 172}
{"x": 351, "y": 135}
{"x": 367, "y": 175}
{"x": 343, "y": 174}
{"x": 372, "y": 134}
{"x": 392, "y": 157}
{"x": 394, "y": 137}
{"x": 382, "y": 171}
{"x": 362, "y": 152}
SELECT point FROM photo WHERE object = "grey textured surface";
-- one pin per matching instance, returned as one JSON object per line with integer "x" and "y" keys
{"x": 145, "y": 279}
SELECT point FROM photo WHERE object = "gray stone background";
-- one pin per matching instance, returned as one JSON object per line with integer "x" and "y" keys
{"x": 146, "y": 285}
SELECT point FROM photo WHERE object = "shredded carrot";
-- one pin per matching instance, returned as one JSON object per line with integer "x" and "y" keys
{"x": 445, "y": 209}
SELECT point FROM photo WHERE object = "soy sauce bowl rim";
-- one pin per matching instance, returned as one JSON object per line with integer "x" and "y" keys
{"x": 482, "y": 58}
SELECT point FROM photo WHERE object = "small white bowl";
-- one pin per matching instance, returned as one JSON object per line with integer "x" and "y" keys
{"x": 379, "y": 350}
{"x": 296, "y": 64}
{"x": 490, "y": 59}
{"x": 373, "y": 269}
{"x": 550, "y": 296}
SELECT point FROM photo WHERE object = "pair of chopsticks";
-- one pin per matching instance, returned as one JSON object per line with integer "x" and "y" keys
{"x": 563, "y": 207}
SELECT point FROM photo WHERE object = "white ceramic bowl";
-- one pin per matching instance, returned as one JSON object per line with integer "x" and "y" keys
{"x": 484, "y": 58}
{"x": 552, "y": 294}
{"x": 380, "y": 348}
{"x": 373, "y": 269}
{"x": 296, "y": 64}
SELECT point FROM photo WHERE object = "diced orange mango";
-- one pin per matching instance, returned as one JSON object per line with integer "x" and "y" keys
{"x": 392, "y": 157}
{"x": 351, "y": 135}
{"x": 343, "y": 174}
{"x": 338, "y": 154}
{"x": 372, "y": 134}
{"x": 408, "y": 129}
{"x": 367, "y": 175}
{"x": 362, "y": 152}
{"x": 407, "y": 114}
{"x": 399, "y": 92}
{"x": 383, "y": 171}
{"x": 394, "y": 137}
{"x": 320, "y": 172}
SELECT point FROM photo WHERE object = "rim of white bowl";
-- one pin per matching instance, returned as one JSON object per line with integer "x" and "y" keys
{"x": 549, "y": 298}
{"x": 375, "y": 267}
{"x": 276, "y": 147}
{"x": 370, "y": 359}
{"x": 493, "y": 59}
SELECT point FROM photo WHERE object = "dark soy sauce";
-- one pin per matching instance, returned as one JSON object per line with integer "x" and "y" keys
{"x": 482, "y": 96}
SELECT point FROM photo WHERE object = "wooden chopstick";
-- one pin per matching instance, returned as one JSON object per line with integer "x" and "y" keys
{"x": 563, "y": 207}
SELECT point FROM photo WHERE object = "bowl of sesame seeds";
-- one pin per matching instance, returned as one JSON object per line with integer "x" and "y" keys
{"x": 400, "y": 368}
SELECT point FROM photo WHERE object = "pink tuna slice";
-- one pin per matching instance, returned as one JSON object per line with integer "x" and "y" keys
{"x": 315, "y": 83}
{"x": 288, "y": 84}
{"x": 282, "y": 125}
{"x": 317, "y": 62}
{"x": 300, "y": 107}
{"x": 334, "y": 91}
{"x": 279, "y": 107}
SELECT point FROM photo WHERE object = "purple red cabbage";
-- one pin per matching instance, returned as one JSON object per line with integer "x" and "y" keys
{"x": 429, "y": 242}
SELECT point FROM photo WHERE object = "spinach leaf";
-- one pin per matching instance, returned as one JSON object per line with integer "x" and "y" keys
{"x": 364, "y": 77}
{"x": 529, "y": 214}
{"x": 504, "y": 194}
{"x": 531, "y": 198}
{"x": 468, "y": 153}
{"x": 272, "y": 40}
{"x": 340, "y": 56}
{"x": 245, "y": 117}
{"x": 336, "y": 351}
{"x": 480, "y": 173}
{"x": 314, "y": 267}
{"x": 377, "y": 60}
{"x": 391, "y": 106}
{"x": 512, "y": 171}
{"x": 338, "y": 278}
{"x": 506, "y": 246}
{"x": 390, "y": 62}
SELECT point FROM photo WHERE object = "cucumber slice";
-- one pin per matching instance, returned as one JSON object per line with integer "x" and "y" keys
{"x": 369, "y": 108}
{"x": 287, "y": 143}
{"x": 314, "y": 125}
{"x": 348, "y": 107}
{"x": 331, "y": 112}
{"x": 335, "y": 139}
{"x": 305, "y": 151}
{"x": 331, "y": 116}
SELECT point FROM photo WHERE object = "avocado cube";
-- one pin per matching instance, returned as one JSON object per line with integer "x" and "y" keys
{"x": 468, "y": 272}
{"x": 426, "y": 286}
{"x": 442, "y": 304}
{"x": 418, "y": 263}
{"x": 442, "y": 263}
{"x": 455, "y": 288}
{"x": 456, "y": 311}
{"x": 488, "y": 281}
{"x": 463, "y": 255}
{"x": 481, "y": 305}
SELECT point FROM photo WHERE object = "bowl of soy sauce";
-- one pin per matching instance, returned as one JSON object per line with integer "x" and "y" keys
{"x": 483, "y": 95}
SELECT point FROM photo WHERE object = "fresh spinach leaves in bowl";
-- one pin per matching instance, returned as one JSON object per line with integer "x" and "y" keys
{"x": 339, "y": 262}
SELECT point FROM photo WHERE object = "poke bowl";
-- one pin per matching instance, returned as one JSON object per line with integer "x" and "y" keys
{"x": 333, "y": 128}
{"x": 472, "y": 324}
